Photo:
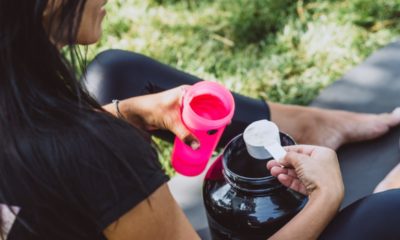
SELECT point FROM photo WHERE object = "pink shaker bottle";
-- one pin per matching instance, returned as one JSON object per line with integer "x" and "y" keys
{"x": 207, "y": 108}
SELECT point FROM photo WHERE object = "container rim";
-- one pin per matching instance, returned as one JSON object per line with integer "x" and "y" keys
{"x": 251, "y": 182}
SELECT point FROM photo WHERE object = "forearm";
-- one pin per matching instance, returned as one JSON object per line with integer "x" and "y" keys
{"x": 312, "y": 220}
{"x": 132, "y": 110}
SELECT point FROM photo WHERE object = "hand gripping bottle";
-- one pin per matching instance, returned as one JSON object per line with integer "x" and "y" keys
{"x": 207, "y": 108}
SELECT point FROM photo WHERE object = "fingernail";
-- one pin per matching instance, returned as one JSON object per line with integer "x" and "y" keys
{"x": 191, "y": 142}
{"x": 195, "y": 145}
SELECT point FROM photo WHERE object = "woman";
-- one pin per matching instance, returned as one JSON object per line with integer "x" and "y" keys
{"x": 71, "y": 170}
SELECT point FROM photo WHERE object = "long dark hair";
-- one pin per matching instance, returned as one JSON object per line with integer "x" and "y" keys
{"x": 39, "y": 88}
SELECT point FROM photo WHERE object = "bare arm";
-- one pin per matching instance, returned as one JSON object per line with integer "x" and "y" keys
{"x": 312, "y": 220}
{"x": 158, "y": 217}
{"x": 132, "y": 109}
{"x": 313, "y": 171}
{"x": 156, "y": 111}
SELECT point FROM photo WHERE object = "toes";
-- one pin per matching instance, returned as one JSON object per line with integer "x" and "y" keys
{"x": 396, "y": 115}
{"x": 391, "y": 119}
{"x": 374, "y": 129}
{"x": 397, "y": 112}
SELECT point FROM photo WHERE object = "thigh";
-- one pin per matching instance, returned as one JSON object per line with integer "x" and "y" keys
{"x": 118, "y": 74}
{"x": 374, "y": 217}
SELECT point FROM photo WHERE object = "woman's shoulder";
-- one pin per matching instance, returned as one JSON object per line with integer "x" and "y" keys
{"x": 102, "y": 123}
{"x": 99, "y": 133}
{"x": 93, "y": 139}
{"x": 92, "y": 145}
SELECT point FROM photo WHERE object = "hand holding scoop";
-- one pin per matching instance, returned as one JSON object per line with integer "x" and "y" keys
{"x": 263, "y": 141}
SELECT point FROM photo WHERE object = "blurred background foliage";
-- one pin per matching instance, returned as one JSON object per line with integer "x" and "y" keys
{"x": 280, "y": 50}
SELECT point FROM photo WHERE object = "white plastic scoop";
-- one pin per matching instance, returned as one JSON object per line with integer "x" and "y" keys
{"x": 263, "y": 141}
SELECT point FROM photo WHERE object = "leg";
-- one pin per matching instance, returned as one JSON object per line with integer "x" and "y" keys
{"x": 117, "y": 74}
{"x": 121, "y": 74}
{"x": 374, "y": 217}
{"x": 330, "y": 128}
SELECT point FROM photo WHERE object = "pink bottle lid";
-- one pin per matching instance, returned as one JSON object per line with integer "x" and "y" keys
{"x": 220, "y": 115}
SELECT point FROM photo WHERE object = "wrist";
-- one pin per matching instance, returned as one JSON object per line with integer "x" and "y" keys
{"x": 117, "y": 111}
{"x": 332, "y": 196}
{"x": 131, "y": 112}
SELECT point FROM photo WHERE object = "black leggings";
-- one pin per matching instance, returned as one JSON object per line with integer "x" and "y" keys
{"x": 376, "y": 216}
{"x": 117, "y": 74}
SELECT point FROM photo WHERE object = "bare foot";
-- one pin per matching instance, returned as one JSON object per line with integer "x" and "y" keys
{"x": 391, "y": 181}
{"x": 330, "y": 128}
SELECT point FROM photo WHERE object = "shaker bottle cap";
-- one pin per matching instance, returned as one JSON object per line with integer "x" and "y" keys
{"x": 262, "y": 140}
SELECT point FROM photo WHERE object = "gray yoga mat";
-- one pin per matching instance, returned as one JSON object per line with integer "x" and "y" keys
{"x": 373, "y": 87}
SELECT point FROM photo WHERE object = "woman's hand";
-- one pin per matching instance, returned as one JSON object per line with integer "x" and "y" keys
{"x": 158, "y": 111}
{"x": 313, "y": 171}
{"x": 309, "y": 170}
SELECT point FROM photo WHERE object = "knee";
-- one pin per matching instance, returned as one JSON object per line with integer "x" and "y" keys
{"x": 116, "y": 74}
{"x": 373, "y": 217}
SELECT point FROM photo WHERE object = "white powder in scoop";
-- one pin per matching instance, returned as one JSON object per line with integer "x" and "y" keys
{"x": 257, "y": 137}
{"x": 261, "y": 134}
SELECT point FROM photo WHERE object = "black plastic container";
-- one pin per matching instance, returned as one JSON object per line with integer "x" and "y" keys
{"x": 242, "y": 199}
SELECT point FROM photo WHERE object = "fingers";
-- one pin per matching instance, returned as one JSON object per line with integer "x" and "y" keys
{"x": 172, "y": 120}
{"x": 186, "y": 136}
{"x": 293, "y": 159}
{"x": 192, "y": 142}
{"x": 304, "y": 149}
{"x": 292, "y": 183}
{"x": 275, "y": 169}
{"x": 272, "y": 163}
{"x": 285, "y": 180}
{"x": 393, "y": 118}
{"x": 173, "y": 96}
{"x": 308, "y": 167}
{"x": 286, "y": 177}
{"x": 182, "y": 89}
{"x": 396, "y": 112}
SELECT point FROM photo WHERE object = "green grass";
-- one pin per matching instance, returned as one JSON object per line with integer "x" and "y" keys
{"x": 284, "y": 51}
